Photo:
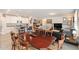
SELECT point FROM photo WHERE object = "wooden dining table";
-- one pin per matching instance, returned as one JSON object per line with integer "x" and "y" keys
{"x": 45, "y": 31}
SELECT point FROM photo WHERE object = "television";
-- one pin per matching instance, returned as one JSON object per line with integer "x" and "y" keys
{"x": 57, "y": 26}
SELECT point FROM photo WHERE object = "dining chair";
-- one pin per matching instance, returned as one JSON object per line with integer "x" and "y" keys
{"x": 24, "y": 41}
{"x": 15, "y": 41}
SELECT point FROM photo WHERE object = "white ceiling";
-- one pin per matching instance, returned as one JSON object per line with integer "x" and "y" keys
{"x": 38, "y": 12}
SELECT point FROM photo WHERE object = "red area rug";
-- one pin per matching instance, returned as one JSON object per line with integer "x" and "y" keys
{"x": 41, "y": 42}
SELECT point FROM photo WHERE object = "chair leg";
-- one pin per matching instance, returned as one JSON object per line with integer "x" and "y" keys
{"x": 78, "y": 46}
{"x": 18, "y": 47}
{"x": 13, "y": 47}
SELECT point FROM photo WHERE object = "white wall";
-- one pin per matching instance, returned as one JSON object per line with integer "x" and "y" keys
{"x": 78, "y": 27}
{"x": 11, "y": 19}
{"x": 54, "y": 20}
{"x": 44, "y": 21}
{"x": 57, "y": 20}
{"x": 0, "y": 24}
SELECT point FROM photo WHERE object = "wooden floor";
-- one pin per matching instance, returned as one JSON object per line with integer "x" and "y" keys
{"x": 5, "y": 44}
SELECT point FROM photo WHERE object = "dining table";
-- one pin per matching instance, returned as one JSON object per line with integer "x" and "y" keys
{"x": 46, "y": 30}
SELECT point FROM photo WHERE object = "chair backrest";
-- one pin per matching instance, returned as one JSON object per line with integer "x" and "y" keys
{"x": 57, "y": 35}
{"x": 27, "y": 35}
{"x": 12, "y": 36}
{"x": 24, "y": 39}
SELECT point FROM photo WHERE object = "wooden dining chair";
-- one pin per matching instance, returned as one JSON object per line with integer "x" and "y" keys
{"x": 24, "y": 42}
{"x": 15, "y": 41}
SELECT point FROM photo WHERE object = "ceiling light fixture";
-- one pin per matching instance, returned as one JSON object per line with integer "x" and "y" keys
{"x": 8, "y": 11}
{"x": 52, "y": 13}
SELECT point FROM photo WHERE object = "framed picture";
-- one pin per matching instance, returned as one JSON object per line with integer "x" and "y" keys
{"x": 49, "y": 21}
